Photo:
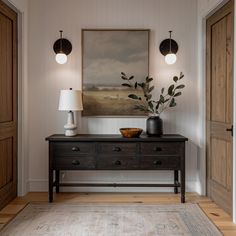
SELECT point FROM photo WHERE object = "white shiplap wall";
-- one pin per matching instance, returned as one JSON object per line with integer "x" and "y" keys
{"x": 46, "y": 77}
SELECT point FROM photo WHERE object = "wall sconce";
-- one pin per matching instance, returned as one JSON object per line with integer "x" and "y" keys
{"x": 62, "y": 47}
{"x": 169, "y": 48}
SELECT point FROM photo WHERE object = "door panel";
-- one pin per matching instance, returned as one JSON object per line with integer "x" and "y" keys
{"x": 6, "y": 161}
{"x": 6, "y": 82}
{"x": 220, "y": 106}
{"x": 218, "y": 83}
{"x": 219, "y": 167}
{"x": 8, "y": 104}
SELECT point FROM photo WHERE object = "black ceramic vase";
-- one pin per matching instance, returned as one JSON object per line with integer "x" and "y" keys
{"x": 154, "y": 126}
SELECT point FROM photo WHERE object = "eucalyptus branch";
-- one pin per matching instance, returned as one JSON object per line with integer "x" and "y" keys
{"x": 146, "y": 103}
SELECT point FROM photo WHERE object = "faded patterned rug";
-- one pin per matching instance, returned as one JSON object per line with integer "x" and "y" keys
{"x": 58, "y": 219}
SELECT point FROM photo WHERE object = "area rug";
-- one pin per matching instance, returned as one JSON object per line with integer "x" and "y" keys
{"x": 58, "y": 219}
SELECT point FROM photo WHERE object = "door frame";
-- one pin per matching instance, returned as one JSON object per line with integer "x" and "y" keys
{"x": 22, "y": 128}
{"x": 202, "y": 87}
{"x": 216, "y": 127}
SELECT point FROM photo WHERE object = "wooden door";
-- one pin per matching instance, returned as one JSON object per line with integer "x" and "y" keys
{"x": 8, "y": 104}
{"x": 220, "y": 106}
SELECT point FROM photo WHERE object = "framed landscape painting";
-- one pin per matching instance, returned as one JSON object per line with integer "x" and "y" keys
{"x": 105, "y": 54}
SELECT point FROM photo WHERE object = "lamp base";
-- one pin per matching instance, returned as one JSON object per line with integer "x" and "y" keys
{"x": 70, "y": 127}
{"x": 70, "y": 133}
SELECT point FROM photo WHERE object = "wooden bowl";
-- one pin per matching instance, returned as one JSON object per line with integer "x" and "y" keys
{"x": 131, "y": 132}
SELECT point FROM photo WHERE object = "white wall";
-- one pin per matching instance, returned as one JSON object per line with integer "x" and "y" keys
{"x": 46, "y": 77}
{"x": 206, "y": 6}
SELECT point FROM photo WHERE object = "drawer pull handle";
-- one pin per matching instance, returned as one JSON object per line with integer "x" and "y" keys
{"x": 75, "y": 149}
{"x": 157, "y": 163}
{"x": 157, "y": 149}
{"x": 116, "y": 149}
{"x": 75, "y": 162}
{"x": 118, "y": 163}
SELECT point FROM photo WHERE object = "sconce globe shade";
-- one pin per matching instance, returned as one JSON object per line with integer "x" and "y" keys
{"x": 170, "y": 58}
{"x": 61, "y": 58}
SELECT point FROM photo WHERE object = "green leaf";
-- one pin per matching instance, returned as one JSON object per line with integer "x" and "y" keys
{"x": 133, "y": 96}
{"x": 131, "y": 77}
{"x": 166, "y": 100}
{"x": 150, "y": 104}
{"x": 142, "y": 85}
{"x": 162, "y": 90}
{"x": 177, "y": 94}
{"x": 150, "y": 89}
{"x": 180, "y": 86}
{"x": 172, "y": 103}
{"x": 157, "y": 106}
{"x": 127, "y": 85}
{"x": 148, "y": 80}
{"x": 170, "y": 89}
{"x": 124, "y": 77}
{"x": 123, "y": 73}
{"x": 162, "y": 99}
{"x": 135, "y": 85}
{"x": 149, "y": 96}
{"x": 175, "y": 78}
{"x": 181, "y": 75}
{"x": 140, "y": 107}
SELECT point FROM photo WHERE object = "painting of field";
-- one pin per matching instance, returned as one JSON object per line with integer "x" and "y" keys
{"x": 105, "y": 54}
{"x": 105, "y": 103}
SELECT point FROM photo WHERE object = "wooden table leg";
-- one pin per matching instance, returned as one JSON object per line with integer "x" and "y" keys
{"x": 50, "y": 190}
{"x": 176, "y": 180}
{"x": 182, "y": 186}
{"x": 57, "y": 180}
{"x": 50, "y": 173}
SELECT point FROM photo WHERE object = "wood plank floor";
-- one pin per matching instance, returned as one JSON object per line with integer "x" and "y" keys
{"x": 221, "y": 219}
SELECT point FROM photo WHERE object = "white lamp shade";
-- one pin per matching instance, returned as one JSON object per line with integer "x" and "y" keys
{"x": 70, "y": 100}
{"x": 170, "y": 58}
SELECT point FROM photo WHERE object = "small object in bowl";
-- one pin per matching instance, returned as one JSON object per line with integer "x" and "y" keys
{"x": 131, "y": 132}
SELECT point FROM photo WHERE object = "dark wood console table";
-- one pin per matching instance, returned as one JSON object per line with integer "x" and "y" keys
{"x": 113, "y": 152}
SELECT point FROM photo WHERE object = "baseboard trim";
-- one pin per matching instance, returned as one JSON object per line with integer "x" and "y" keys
{"x": 38, "y": 185}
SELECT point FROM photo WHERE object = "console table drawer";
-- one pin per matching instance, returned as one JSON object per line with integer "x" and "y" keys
{"x": 117, "y": 148}
{"x": 159, "y": 162}
{"x": 160, "y": 148}
{"x": 76, "y": 163}
{"x": 117, "y": 163}
{"x": 73, "y": 148}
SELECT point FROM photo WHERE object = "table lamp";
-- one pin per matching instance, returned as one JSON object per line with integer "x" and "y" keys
{"x": 70, "y": 100}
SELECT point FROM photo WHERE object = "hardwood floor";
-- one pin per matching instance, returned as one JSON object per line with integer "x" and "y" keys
{"x": 220, "y": 218}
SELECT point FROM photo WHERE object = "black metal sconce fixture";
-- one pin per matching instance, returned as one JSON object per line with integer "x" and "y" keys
{"x": 169, "y": 48}
{"x": 62, "y": 47}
